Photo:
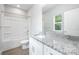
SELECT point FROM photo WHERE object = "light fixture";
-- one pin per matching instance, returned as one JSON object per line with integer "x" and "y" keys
{"x": 18, "y": 5}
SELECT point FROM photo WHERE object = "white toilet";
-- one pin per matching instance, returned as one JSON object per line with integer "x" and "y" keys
{"x": 24, "y": 44}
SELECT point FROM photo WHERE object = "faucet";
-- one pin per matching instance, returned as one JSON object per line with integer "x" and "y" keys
{"x": 68, "y": 36}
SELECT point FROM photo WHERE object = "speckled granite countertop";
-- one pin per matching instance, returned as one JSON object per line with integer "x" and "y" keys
{"x": 60, "y": 44}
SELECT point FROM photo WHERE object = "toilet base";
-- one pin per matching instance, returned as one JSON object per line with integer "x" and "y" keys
{"x": 25, "y": 46}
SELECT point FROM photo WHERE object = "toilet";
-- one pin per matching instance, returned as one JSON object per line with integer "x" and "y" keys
{"x": 24, "y": 44}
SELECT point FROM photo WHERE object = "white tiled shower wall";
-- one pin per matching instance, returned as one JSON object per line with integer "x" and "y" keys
{"x": 15, "y": 15}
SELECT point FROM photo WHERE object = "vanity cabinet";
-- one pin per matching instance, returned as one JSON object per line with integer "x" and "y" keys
{"x": 50, "y": 51}
{"x": 71, "y": 22}
{"x": 38, "y": 48}
{"x": 35, "y": 47}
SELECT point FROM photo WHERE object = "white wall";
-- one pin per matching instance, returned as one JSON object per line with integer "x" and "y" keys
{"x": 36, "y": 19}
{"x": 59, "y": 9}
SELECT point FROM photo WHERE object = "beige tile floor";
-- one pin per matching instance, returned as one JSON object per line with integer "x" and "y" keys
{"x": 16, "y": 51}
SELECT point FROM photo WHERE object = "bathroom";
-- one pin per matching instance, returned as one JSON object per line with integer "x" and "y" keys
{"x": 39, "y": 29}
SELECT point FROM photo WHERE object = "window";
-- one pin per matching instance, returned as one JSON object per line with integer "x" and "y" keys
{"x": 57, "y": 22}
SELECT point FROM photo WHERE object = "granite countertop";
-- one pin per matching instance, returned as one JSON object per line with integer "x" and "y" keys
{"x": 60, "y": 44}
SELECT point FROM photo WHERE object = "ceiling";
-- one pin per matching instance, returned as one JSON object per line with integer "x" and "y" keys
{"x": 25, "y": 7}
{"x": 48, "y": 7}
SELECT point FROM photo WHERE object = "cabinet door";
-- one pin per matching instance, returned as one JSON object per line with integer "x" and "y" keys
{"x": 71, "y": 22}
{"x": 46, "y": 50}
{"x": 35, "y": 47}
{"x": 50, "y": 51}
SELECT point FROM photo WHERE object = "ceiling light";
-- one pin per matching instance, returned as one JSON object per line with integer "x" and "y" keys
{"x": 18, "y": 5}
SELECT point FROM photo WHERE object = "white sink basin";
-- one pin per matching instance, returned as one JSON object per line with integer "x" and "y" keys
{"x": 40, "y": 36}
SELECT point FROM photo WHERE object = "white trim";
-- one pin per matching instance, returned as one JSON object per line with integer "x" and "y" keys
{"x": 53, "y": 23}
{"x": 59, "y": 22}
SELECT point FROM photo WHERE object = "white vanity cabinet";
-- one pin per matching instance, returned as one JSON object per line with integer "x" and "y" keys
{"x": 71, "y": 22}
{"x": 35, "y": 47}
{"x": 38, "y": 48}
{"x": 50, "y": 51}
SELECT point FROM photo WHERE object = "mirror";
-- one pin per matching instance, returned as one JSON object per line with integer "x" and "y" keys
{"x": 71, "y": 22}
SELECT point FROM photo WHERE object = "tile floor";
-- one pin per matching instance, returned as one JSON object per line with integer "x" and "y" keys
{"x": 16, "y": 51}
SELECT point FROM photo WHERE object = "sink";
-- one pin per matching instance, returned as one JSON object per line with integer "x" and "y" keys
{"x": 40, "y": 36}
